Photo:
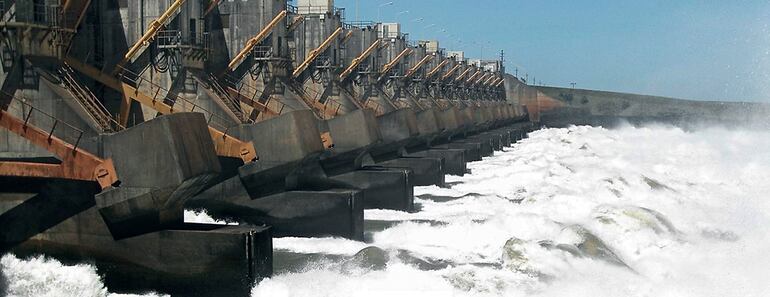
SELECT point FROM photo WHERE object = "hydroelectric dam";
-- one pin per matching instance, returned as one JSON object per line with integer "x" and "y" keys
{"x": 290, "y": 120}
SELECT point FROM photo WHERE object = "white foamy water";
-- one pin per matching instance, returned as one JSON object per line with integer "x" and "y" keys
{"x": 567, "y": 212}
{"x": 585, "y": 212}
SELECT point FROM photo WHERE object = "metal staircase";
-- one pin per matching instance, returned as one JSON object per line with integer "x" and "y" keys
{"x": 219, "y": 93}
{"x": 93, "y": 107}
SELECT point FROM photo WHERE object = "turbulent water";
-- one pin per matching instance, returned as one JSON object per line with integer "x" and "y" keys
{"x": 582, "y": 211}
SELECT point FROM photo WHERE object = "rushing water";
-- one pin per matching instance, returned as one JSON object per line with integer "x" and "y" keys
{"x": 582, "y": 211}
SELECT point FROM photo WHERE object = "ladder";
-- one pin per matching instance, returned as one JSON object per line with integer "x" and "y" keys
{"x": 94, "y": 108}
{"x": 230, "y": 103}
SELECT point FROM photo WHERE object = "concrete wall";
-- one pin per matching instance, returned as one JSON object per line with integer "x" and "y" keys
{"x": 653, "y": 108}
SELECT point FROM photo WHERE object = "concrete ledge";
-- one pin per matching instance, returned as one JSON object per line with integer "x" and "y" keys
{"x": 486, "y": 146}
{"x": 426, "y": 171}
{"x": 382, "y": 188}
{"x": 454, "y": 159}
{"x": 428, "y": 123}
{"x": 354, "y": 130}
{"x": 287, "y": 138}
{"x": 398, "y": 125}
{"x": 471, "y": 150}
{"x": 334, "y": 212}
{"x": 190, "y": 259}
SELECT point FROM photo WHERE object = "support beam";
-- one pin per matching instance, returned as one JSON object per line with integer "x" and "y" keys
{"x": 257, "y": 39}
{"x": 76, "y": 164}
{"x": 224, "y": 144}
{"x": 358, "y": 60}
{"x": 417, "y": 66}
{"x": 396, "y": 60}
{"x": 316, "y": 52}
{"x": 254, "y": 104}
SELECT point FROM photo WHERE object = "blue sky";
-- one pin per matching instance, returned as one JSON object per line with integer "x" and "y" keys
{"x": 708, "y": 50}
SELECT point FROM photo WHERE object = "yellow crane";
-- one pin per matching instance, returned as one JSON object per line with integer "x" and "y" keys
{"x": 358, "y": 60}
{"x": 473, "y": 77}
{"x": 437, "y": 69}
{"x": 417, "y": 66}
{"x": 450, "y": 72}
{"x": 460, "y": 77}
{"x": 155, "y": 26}
{"x": 316, "y": 52}
{"x": 257, "y": 39}
{"x": 389, "y": 66}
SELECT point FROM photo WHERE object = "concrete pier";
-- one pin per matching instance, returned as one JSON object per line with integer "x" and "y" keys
{"x": 342, "y": 117}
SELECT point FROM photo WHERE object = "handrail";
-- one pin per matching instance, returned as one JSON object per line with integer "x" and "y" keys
{"x": 75, "y": 162}
{"x": 225, "y": 145}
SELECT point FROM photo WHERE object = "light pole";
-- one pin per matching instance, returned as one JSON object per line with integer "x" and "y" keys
{"x": 381, "y": 6}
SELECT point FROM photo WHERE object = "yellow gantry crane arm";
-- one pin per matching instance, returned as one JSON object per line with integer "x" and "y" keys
{"x": 385, "y": 69}
{"x": 436, "y": 69}
{"x": 488, "y": 81}
{"x": 481, "y": 78}
{"x": 470, "y": 79}
{"x": 152, "y": 31}
{"x": 346, "y": 37}
{"x": 491, "y": 81}
{"x": 419, "y": 65}
{"x": 316, "y": 52}
{"x": 223, "y": 144}
{"x": 211, "y": 7}
{"x": 295, "y": 23}
{"x": 254, "y": 41}
{"x": 450, "y": 72}
{"x": 357, "y": 61}
{"x": 460, "y": 77}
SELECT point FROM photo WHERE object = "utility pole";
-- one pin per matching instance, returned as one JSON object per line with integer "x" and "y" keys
{"x": 502, "y": 61}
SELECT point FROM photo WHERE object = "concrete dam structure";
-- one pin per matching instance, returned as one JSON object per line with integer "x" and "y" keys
{"x": 117, "y": 116}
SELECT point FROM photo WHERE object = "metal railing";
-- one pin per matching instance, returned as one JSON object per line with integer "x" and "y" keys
{"x": 42, "y": 120}
{"x": 245, "y": 89}
{"x": 178, "y": 103}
